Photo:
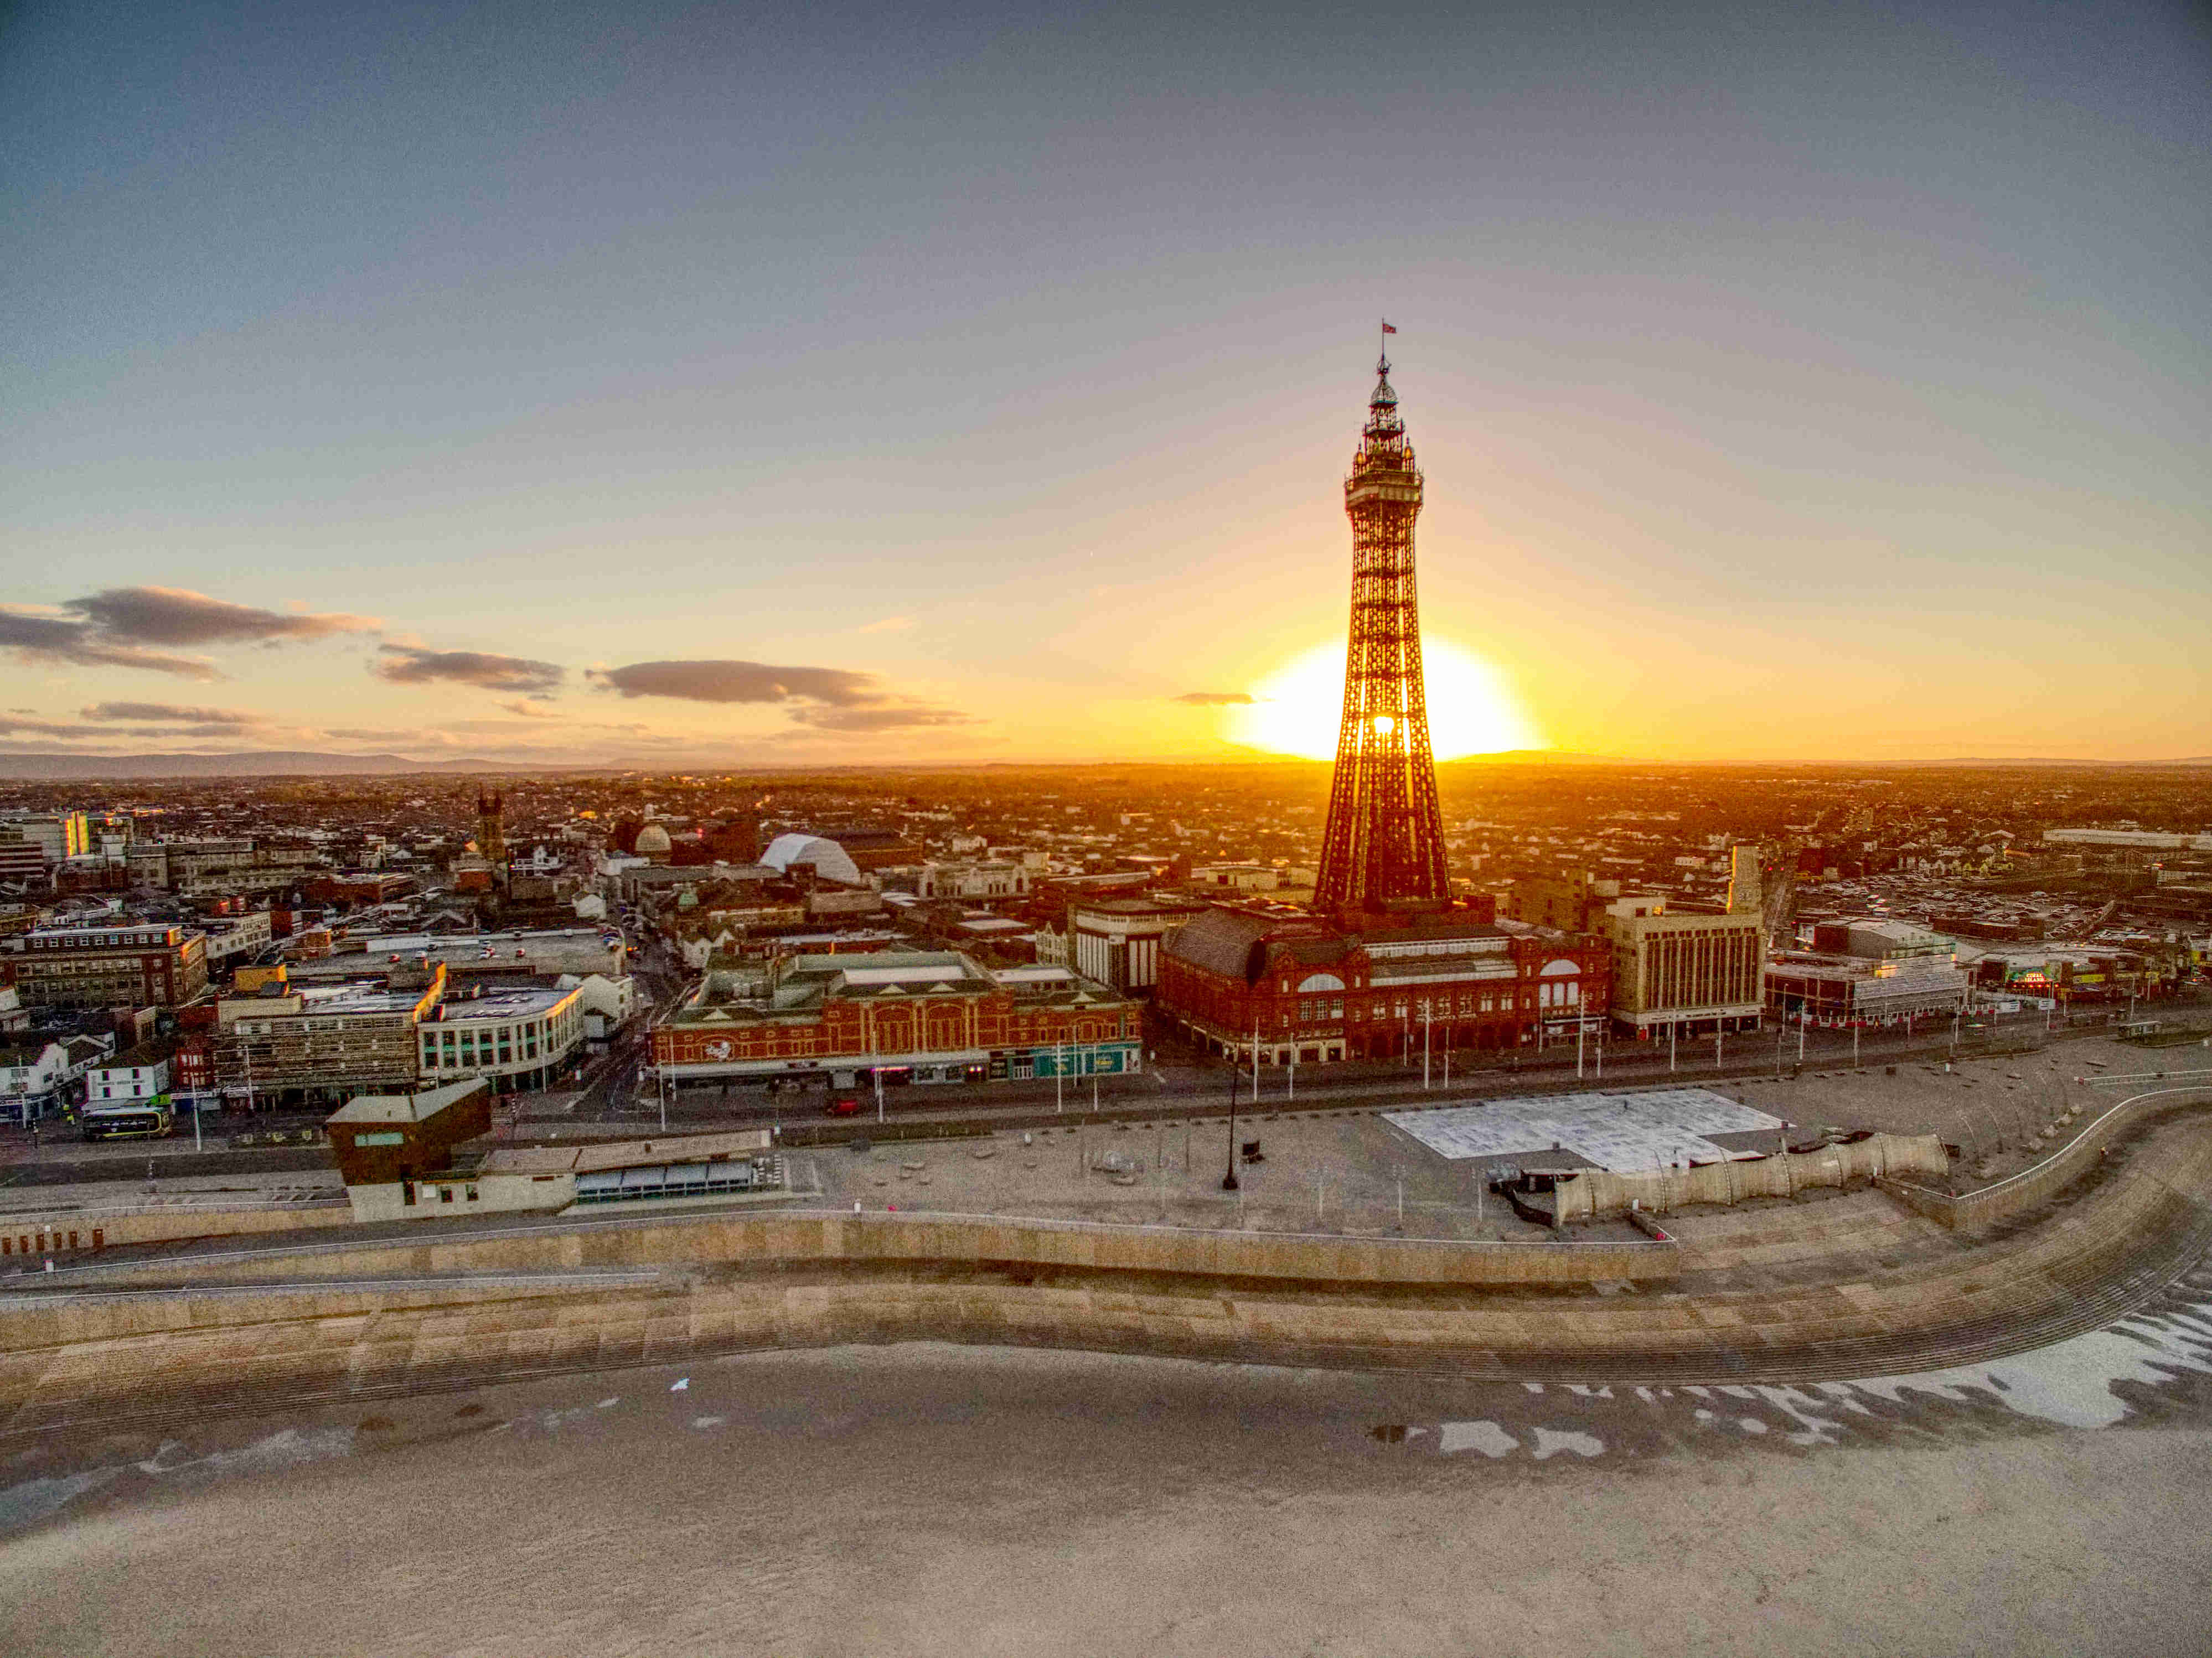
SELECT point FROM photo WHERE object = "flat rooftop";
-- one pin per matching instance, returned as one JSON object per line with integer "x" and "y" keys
{"x": 519, "y": 1004}
{"x": 585, "y": 1159}
{"x": 373, "y": 998}
{"x": 406, "y": 1107}
{"x": 1624, "y": 1133}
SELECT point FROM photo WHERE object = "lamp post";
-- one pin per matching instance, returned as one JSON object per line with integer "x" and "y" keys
{"x": 1228, "y": 1179}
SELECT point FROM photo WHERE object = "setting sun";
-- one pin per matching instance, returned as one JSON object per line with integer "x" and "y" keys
{"x": 1472, "y": 709}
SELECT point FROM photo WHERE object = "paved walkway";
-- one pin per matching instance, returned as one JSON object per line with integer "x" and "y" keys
{"x": 2096, "y": 1255}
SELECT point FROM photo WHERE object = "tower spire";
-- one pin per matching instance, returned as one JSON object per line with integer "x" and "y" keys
{"x": 1383, "y": 848}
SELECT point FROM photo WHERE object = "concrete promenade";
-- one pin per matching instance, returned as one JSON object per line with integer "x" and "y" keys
{"x": 265, "y": 1328}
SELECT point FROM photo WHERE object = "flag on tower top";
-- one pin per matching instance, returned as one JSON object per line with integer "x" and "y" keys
{"x": 1388, "y": 328}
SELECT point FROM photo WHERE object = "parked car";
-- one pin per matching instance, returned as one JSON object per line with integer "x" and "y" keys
{"x": 846, "y": 1105}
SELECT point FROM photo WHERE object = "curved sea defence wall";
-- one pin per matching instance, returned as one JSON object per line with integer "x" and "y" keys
{"x": 2039, "y": 1181}
{"x": 786, "y": 1240}
{"x": 579, "y": 1299}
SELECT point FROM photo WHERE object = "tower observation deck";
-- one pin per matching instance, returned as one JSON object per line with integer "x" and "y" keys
{"x": 1383, "y": 849}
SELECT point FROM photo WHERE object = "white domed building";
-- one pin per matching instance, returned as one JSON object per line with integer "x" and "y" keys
{"x": 830, "y": 861}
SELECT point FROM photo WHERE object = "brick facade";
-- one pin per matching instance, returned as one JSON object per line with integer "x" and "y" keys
{"x": 1309, "y": 989}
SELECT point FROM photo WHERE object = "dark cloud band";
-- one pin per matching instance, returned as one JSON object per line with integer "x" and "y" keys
{"x": 731, "y": 681}
{"x": 178, "y": 616}
{"x": 406, "y": 664}
{"x": 52, "y": 639}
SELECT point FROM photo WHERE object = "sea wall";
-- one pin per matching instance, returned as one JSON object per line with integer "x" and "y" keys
{"x": 785, "y": 1238}
{"x": 1973, "y": 1211}
{"x": 69, "y": 1233}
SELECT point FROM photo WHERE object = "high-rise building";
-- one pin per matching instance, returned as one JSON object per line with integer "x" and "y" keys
{"x": 1384, "y": 848}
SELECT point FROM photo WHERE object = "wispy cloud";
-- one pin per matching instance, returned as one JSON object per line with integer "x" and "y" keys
{"x": 725, "y": 680}
{"x": 110, "y": 628}
{"x": 1213, "y": 699}
{"x": 879, "y": 717}
{"x": 178, "y": 616}
{"x": 410, "y": 664}
{"x": 176, "y": 714}
{"x": 52, "y": 640}
{"x": 819, "y": 699}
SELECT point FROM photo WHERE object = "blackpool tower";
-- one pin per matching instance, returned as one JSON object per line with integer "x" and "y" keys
{"x": 1384, "y": 850}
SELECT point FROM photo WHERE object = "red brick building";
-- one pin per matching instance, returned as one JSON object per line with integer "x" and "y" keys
{"x": 132, "y": 965}
{"x": 925, "y": 1017}
{"x": 1309, "y": 989}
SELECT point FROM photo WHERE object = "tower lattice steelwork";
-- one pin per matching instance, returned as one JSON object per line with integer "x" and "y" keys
{"x": 1384, "y": 846}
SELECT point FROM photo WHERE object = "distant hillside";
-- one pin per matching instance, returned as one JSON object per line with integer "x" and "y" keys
{"x": 274, "y": 763}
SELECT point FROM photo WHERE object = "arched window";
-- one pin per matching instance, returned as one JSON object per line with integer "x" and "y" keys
{"x": 1317, "y": 981}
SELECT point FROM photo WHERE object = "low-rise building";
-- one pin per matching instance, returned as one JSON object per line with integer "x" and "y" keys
{"x": 59, "y": 835}
{"x": 22, "y": 860}
{"x": 408, "y": 1157}
{"x": 117, "y": 965}
{"x": 31, "y": 1082}
{"x": 551, "y": 951}
{"x": 608, "y": 1003}
{"x": 138, "y": 1073}
{"x": 912, "y": 1015}
{"x": 1679, "y": 974}
{"x": 317, "y": 1042}
{"x": 2056, "y": 973}
{"x": 1117, "y": 941}
{"x": 1235, "y": 878}
{"x": 214, "y": 867}
{"x": 972, "y": 880}
{"x": 1867, "y": 972}
{"x": 38, "y": 1080}
{"x": 387, "y": 1139}
{"x": 516, "y": 1039}
{"x": 234, "y": 940}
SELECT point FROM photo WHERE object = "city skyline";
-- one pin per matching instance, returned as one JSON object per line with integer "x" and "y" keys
{"x": 680, "y": 395}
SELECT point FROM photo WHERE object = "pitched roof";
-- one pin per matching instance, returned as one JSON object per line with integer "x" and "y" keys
{"x": 1224, "y": 942}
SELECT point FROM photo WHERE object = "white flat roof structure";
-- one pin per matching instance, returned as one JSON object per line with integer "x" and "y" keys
{"x": 519, "y": 1004}
{"x": 1624, "y": 1133}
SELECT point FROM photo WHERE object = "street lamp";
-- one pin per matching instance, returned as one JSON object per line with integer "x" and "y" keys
{"x": 1228, "y": 1179}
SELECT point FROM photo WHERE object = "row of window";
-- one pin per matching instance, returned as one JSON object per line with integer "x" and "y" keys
{"x": 1468, "y": 1003}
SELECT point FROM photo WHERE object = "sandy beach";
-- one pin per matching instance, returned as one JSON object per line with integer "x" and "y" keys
{"x": 931, "y": 1500}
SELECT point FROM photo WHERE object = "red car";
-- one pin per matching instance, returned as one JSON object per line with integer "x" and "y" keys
{"x": 847, "y": 1106}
